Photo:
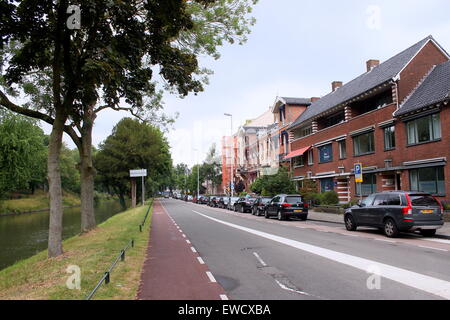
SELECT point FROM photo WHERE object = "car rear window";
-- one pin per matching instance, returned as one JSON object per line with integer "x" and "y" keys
{"x": 293, "y": 200}
{"x": 266, "y": 200}
{"x": 423, "y": 200}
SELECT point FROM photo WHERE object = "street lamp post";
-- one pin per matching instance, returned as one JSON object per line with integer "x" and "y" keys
{"x": 198, "y": 175}
{"x": 232, "y": 154}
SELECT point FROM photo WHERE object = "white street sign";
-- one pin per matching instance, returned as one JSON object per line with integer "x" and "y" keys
{"x": 138, "y": 173}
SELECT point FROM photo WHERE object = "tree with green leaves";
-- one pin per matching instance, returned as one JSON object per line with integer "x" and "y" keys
{"x": 22, "y": 154}
{"x": 271, "y": 185}
{"x": 108, "y": 63}
{"x": 133, "y": 145}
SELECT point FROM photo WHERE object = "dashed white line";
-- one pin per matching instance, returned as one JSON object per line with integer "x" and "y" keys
{"x": 200, "y": 260}
{"x": 193, "y": 250}
{"x": 223, "y": 297}
{"x": 210, "y": 276}
{"x": 188, "y": 241}
{"x": 259, "y": 259}
{"x": 184, "y": 236}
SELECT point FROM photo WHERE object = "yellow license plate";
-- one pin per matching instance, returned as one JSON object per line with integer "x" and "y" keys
{"x": 297, "y": 211}
{"x": 427, "y": 211}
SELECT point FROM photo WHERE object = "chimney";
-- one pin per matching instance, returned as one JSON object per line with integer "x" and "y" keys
{"x": 314, "y": 99}
{"x": 372, "y": 64}
{"x": 336, "y": 85}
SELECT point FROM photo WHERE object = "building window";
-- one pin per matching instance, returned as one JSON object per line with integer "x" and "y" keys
{"x": 299, "y": 161}
{"x": 363, "y": 144}
{"x": 428, "y": 180}
{"x": 342, "y": 149}
{"x": 326, "y": 185}
{"x": 334, "y": 119}
{"x": 310, "y": 157}
{"x": 326, "y": 153}
{"x": 424, "y": 129}
{"x": 368, "y": 186}
{"x": 389, "y": 138}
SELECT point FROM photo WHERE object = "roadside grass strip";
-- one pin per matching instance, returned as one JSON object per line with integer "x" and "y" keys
{"x": 41, "y": 278}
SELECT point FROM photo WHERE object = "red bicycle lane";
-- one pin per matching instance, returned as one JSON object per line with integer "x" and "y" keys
{"x": 173, "y": 269}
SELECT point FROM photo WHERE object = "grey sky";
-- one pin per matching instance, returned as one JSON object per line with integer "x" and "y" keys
{"x": 297, "y": 48}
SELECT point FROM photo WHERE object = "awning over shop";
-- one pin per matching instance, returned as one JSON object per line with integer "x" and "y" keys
{"x": 297, "y": 153}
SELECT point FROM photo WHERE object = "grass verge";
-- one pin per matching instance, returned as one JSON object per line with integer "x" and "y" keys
{"x": 37, "y": 201}
{"x": 41, "y": 278}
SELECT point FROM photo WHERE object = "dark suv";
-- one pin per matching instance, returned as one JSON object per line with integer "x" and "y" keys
{"x": 259, "y": 206}
{"x": 285, "y": 206}
{"x": 398, "y": 211}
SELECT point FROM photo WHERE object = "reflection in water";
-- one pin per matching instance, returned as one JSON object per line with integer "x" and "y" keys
{"x": 25, "y": 235}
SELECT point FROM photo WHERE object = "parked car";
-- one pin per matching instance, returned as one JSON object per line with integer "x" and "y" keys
{"x": 285, "y": 206}
{"x": 231, "y": 202}
{"x": 244, "y": 204}
{"x": 204, "y": 200}
{"x": 395, "y": 212}
{"x": 190, "y": 198}
{"x": 223, "y": 202}
{"x": 259, "y": 205}
{"x": 212, "y": 201}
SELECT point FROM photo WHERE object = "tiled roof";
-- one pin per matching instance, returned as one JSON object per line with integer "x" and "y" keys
{"x": 434, "y": 89}
{"x": 369, "y": 80}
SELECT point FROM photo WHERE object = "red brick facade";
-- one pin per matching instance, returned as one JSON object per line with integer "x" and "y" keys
{"x": 388, "y": 166}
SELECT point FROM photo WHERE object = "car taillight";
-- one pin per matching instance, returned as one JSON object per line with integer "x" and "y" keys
{"x": 305, "y": 205}
{"x": 407, "y": 210}
{"x": 286, "y": 205}
{"x": 440, "y": 205}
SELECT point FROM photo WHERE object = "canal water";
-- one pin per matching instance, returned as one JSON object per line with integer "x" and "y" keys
{"x": 23, "y": 236}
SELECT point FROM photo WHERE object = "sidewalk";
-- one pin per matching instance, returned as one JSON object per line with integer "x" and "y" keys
{"x": 444, "y": 232}
{"x": 171, "y": 269}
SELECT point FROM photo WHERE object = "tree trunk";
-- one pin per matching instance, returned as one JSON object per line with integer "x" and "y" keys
{"x": 54, "y": 187}
{"x": 87, "y": 174}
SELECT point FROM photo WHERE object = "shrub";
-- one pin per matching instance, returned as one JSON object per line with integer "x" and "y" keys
{"x": 329, "y": 198}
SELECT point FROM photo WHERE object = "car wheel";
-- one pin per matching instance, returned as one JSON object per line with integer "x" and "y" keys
{"x": 428, "y": 233}
{"x": 390, "y": 228}
{"x": 280, "y": 216}
{"x": 242, "y": 209}
{"x": 350, "y": 224}
{"x": 235, "y": 208}
{"x": 266, "y": 214}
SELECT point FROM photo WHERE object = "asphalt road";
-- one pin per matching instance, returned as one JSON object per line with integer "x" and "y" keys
{"x": 257, "y": 258}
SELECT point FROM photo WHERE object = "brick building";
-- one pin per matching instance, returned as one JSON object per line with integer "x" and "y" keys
{"x": 394, "y": 119}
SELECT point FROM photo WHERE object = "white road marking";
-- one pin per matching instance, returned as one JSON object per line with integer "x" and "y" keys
{"x": 282, "y": 286}
{"x": 416, "y": 280}
{"x": 184, "y": 236}
{"x": 425, "y": 247}
{"x": 200, "y": 260}
{"x": 437, "y": 240}
{"x": 210, "y": 276}
{"x": 193, "y": 249}
{"x": 223, "y": 297}
{"x": 188, "y": 241}
{"x": 259, "y": 259}
{"x": 384, "y": 240}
